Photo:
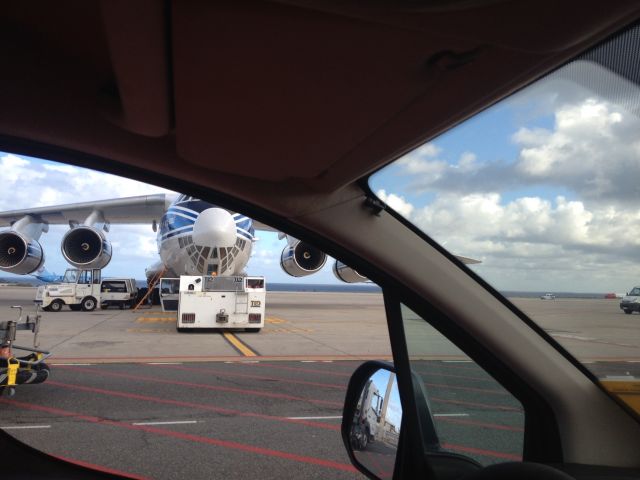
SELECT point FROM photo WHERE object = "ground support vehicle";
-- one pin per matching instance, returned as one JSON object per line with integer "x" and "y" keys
{"x": 120, "y": 292}
{"x": 85, "y": 290}
{"x": 80, "y": 289}
{"x": 631, "y": 301}
{"x": 29, "y": 369}
{"x": 221, "y": 303}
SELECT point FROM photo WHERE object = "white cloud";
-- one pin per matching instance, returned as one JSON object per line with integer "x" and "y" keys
{"x": 396, "y": 202}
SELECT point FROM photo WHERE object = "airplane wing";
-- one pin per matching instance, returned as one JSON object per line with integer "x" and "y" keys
{"x": 129, "y": 210}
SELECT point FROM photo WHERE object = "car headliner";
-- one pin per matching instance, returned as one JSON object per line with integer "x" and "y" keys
{"x": 303, "y": 95}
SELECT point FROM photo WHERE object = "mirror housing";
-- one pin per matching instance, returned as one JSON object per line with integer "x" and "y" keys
{"x": 371, "y": 421}
{"x": 394, "y": 440}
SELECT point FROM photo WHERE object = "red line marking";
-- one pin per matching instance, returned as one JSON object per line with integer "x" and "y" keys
{"x": 200, "y": 385}
{"x": 100, "y": 468}
{"x": 478, "y": 405}
{"x": 201, "y": 406}
{"x": 469, "y": 389}
{"x": 473, "y": 423}
{"x": 294, "y": 369}
{"x": 245, "y": 375}
{"x": 185, "y": 436}
{"x": 479, "y": 451}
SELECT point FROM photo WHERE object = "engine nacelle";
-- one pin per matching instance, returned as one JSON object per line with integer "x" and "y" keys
{"x": 86, "y": 247}
{"x": 300, "y": 259}
{"x": 19, "y": 254}
{"x": 347, "y": 274}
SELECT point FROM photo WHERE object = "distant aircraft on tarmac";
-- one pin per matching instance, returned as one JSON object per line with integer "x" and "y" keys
{"x": 194, "y": 238}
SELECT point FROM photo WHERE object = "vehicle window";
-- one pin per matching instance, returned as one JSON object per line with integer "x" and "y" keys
{"x": 128, "y": 392}
{"x": 474, "y": 415}
{"x": 542, "y": 188}
{"x": 114, "y": 287}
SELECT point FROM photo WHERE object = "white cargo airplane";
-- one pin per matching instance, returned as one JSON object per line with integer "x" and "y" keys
{"x": 194, "y": 238}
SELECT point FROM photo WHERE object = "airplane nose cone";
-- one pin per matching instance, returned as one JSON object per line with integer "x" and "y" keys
{"x": 215, "y": 227}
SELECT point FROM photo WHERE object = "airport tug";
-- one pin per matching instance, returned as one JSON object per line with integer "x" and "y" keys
{"x": 29, "y": 369}
{"x": 229, "y": 303}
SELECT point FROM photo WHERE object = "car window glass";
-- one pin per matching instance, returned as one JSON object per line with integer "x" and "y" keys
{"x": 542, "y": 190}
{"x": 124, "y": 390}
{"x": 473, "y": 414}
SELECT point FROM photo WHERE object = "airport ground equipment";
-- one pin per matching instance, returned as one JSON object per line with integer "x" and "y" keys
{"x": 29, "y": 369}
{"x": 631, "y": 301}
{"x": 119, "y": 292}
{"x": 85, "y": 290}
{"x": 148, "y": 294}
{"x": 169, "y": 293}
{"x": 221, "y": 303}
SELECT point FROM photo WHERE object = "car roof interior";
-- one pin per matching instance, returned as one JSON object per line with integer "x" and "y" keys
{"x": 303, "y": 94}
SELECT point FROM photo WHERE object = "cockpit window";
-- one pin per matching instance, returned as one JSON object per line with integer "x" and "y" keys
{"x": 542, "y": 189}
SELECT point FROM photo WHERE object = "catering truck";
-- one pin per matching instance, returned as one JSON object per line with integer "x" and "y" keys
{"x": 221, "y": 303}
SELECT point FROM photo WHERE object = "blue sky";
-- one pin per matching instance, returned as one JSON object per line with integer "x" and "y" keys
{"x": 542, "y": 187}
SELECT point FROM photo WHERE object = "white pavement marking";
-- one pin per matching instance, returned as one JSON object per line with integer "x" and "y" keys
{"x": 451, "y": 415}
{"x": 313, "y": 418}
{"x": 327, "y": 361}
{"x": 164, "y": 363}
{"x": 308, "y": 361}
{"x": 249, "y": 361}
{"x": 74, "y": 364}
{"x": 183, "y": 422}
{"x": 24, "y": 427}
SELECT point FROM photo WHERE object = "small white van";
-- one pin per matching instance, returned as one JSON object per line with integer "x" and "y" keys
{"x": 631, "y": 301}
{"x": 121, "y": 292}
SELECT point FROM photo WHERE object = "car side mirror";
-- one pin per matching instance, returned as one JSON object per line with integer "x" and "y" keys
{"x": 372, "y": 418}
{"x": 377, "y": 436}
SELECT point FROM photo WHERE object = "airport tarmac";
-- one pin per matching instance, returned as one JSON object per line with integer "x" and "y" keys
{"x": 128, "y": 393}
{"x": 307, "y": 325}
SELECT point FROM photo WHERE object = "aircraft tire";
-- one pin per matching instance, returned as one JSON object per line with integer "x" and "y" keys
{"x": 89, "y": 304}
{"x": 56, "y": 306}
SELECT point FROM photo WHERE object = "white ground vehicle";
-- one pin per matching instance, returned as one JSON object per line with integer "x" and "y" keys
{"x": 121, "y": 292}
{"x": 85, "y": 290}
{"x": 631, "y": 301}
{"x": 80, "y": 289}
{"x": 548, "y": 296}
{"x": 221, "y": 302}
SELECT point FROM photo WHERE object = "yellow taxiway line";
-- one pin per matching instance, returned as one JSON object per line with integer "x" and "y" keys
{"x": 239, "y": 345}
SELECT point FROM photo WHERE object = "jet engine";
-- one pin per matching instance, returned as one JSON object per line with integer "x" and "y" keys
{"x": 19, "y": 254}
{"x": 86, "y": 247}
{"x": 300, "y": 259}
{"x": 347, "y": 274}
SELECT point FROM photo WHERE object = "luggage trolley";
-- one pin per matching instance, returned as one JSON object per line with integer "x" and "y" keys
{"x": 29, "y": 369}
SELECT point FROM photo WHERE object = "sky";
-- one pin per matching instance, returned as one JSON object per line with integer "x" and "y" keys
{"x": 543, "y": 188}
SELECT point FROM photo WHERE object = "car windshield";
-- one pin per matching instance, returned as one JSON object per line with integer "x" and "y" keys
{"x": 542, "y": 189}
{"x": 635, "y": 292}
